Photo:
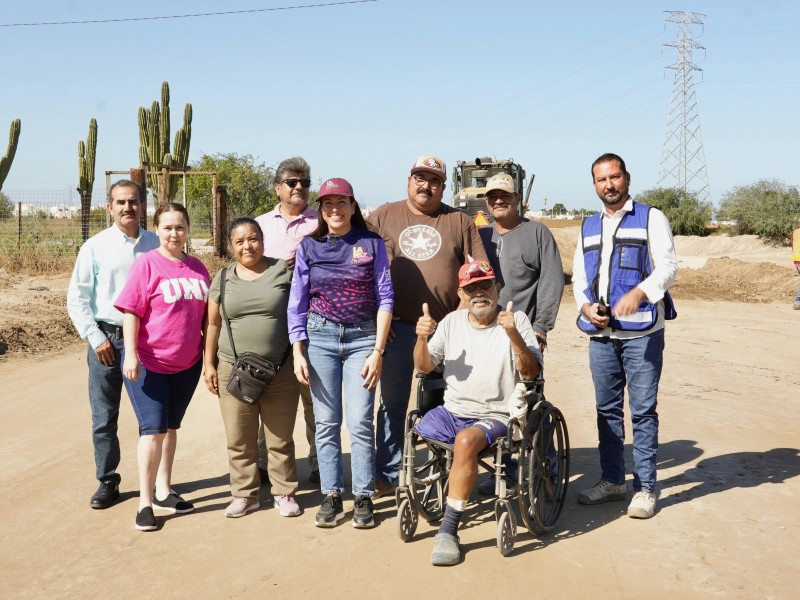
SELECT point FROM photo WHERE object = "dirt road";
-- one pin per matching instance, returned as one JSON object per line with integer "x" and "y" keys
{"x": 728, "y": 524}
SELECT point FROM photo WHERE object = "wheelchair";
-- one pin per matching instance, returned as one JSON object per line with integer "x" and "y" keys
{"x": 540, "y": 446}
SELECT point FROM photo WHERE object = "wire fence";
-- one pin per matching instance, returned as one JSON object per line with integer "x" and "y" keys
{"x": 52, "y": 218}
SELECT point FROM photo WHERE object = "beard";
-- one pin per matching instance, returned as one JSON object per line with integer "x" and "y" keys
{"x": 482, "y": 311}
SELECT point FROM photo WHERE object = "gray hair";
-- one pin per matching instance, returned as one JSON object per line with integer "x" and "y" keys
{"x": 295, "y": 165}
{"x": 124, "y": 183}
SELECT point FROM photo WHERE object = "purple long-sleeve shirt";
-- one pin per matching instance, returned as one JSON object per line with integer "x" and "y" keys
{"x": 344, "y": 279}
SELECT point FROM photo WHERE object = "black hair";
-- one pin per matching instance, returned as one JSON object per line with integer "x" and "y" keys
{"x": 239, "y": 221}
{"x": 609, "y": 157}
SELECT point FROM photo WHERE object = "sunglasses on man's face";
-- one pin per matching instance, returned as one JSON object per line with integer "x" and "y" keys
{"x": 292, "y": 183}
{"x": 484, "y": 285}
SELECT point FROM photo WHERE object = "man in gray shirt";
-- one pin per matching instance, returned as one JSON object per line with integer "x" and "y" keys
{"x": 483, "y": 351}
{"x": 524, "y": 256}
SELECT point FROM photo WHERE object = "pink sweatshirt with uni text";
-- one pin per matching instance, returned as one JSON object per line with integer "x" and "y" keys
{"x": 170, "y": 299}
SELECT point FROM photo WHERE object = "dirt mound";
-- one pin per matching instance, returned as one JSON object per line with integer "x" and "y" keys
{"x": 737, "y": 281}
{"x": 747, "y": 248}
{"x": 33, "y": 314}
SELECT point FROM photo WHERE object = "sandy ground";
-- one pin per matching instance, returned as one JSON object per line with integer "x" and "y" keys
{"x": 727, "y": 526}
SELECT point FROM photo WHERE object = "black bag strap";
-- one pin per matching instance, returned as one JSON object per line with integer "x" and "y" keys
{"x": 222, "y": 280}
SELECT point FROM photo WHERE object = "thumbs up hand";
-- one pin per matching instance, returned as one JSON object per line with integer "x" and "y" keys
{"x": 506, "y": 318}
{"x": 426, "y": 325}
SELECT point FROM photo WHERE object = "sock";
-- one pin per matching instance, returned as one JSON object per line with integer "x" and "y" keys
{"x": 450, "y": 521}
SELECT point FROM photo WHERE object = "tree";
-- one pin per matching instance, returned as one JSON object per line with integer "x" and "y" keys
{"x": 768, "y": 208}
{"x": 249, "y": 185}
{"x": 686, "y": 214}
{"x": 6, "y": 207}
{"x": 559, "y": 209}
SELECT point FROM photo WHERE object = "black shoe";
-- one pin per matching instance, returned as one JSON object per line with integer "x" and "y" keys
{"x": 362, "y": 513}
{"x": 314, "y": 476}
{"x": 173, "y": 503}
{"x": 105, "y": 494}
{"x": 263, "y": 475}
{"x": 146, "y": 520}
{"x": 331, "y": 511}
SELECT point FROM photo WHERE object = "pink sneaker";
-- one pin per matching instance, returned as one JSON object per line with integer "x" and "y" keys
{"x": 287, "y": 505}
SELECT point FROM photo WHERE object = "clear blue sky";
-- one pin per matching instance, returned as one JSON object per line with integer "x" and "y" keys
{"x": 361, "y": 90}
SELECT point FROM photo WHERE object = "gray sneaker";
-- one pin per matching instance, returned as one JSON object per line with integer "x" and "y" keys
{"x": 796, "y": 305}
{"x": 643, "y": 505}
{"x": 603, "y": 491}
{"x": 445, "y": 550}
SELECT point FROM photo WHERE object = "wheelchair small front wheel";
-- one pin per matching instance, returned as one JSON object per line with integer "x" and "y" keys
{"x": 506, "y": 533}
{"x": 407, "y": 520}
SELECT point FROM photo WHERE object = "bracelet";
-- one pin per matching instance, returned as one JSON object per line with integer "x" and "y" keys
{"x": 378, "y": 350}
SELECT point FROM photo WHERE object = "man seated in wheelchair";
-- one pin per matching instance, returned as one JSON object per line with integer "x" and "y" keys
{"x": 483, "y": 352}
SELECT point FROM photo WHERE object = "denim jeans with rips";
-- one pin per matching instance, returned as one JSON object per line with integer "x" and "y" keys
{"x": 336, "y": 355}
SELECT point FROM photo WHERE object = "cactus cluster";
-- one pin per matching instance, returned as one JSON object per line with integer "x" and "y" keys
{"x": 13, "y": 140}
{"x": 86, "y": 160}
{"x": 154, "y": 130}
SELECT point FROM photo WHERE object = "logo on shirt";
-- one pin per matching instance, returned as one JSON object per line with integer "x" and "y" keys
{"x": 360, "y": 256}
{"x": 420, "y": 242}
{"x": 183, "y": 287}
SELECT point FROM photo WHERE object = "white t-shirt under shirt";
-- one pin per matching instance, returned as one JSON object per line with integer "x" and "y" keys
{"x": 479, "y": 364}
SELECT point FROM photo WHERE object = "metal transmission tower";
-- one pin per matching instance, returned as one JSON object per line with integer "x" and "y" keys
{"x": 683, "y": 162}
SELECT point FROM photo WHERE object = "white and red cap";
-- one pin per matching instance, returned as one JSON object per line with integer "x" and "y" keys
{"x": 431, "y": 164}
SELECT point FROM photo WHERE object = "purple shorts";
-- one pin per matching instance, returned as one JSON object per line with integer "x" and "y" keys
{"x": 441, "y": 425}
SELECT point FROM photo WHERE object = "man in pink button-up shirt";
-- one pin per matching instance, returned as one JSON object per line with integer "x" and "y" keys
{"x": 284, "y": 227}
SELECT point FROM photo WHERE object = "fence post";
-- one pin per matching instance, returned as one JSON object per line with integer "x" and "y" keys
{"x": 19, "y": 225}
{"x": 220, "y": 221}
{"x": 138, "y": 177}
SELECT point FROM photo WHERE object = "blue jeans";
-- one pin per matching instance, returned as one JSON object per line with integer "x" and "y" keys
{"x": 105, "y": 392}
{"x": 398, "y": 371}
{"x": 336, "y": 356}
{"x": 160, "y": 400}
{"x": 637, "y": 362}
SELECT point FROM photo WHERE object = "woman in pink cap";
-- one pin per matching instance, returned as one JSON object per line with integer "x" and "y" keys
{"x": 340, "y": 310}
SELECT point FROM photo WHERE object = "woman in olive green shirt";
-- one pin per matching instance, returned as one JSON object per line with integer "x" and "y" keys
{"x": 256, "y": 298}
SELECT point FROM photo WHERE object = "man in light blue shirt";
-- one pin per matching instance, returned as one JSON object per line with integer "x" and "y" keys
{"x": 99, "y": 275}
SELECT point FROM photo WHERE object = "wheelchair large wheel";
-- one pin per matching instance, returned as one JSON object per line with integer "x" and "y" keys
{"x": 407, "y": 520}
{"x": 544, "y": 471}
{"x": 506, "y": 533}
{"x": 427, "y": 485}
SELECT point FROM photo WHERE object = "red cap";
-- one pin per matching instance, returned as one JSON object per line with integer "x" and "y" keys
{"x": 474, "y": 271}
{"x": 335, "y": 187}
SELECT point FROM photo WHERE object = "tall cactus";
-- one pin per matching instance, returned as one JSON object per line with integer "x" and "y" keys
{"x": 86, "y": 162}
{"x": 13, "y": 140}
{"x": 154, "y": 129}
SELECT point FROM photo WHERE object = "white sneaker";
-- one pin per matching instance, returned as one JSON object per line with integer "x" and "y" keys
{"x": 643, "y": 505}
{"x": 603, "y": 491}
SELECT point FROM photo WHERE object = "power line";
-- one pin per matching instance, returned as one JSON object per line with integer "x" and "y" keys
{"x": 209, "y": 14}
{"x": 683, "y": 162}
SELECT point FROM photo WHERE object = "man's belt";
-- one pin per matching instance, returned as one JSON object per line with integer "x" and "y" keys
{"x": 109, "y": 329}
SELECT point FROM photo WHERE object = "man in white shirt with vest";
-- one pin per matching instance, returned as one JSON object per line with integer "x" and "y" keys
{"x": 624, "y": 264}
{"x": 100, "y": 273}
